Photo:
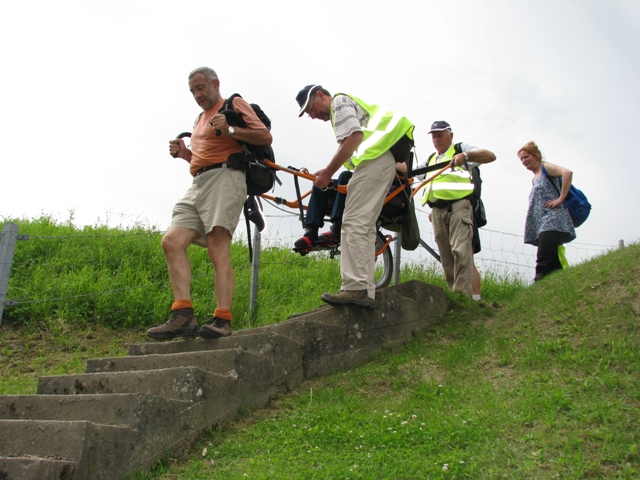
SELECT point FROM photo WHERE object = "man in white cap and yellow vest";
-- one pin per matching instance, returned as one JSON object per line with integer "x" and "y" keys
{"x": 371, "y": 140}
{"x": 451, "y": 211}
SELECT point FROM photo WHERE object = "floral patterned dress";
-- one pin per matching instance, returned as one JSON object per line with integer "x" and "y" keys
{"x": 543, "y": 219}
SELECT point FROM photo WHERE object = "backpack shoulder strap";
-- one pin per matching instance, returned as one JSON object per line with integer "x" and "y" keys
{"x": 544, "y": 172}
{"x": 228, "y": 103}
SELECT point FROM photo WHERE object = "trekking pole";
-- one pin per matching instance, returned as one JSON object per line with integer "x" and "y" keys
{"x": 427, "y": 180}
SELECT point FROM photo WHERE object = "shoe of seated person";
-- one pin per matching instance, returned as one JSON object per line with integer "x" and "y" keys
{"x": 329, "y": 238}
{"x": 305, "y": 243}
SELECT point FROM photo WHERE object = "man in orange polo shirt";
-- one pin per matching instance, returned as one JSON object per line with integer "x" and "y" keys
{"x": 209, "y": 212}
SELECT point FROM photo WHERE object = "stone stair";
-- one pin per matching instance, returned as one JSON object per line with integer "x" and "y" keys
{"x": 125, "y": 413}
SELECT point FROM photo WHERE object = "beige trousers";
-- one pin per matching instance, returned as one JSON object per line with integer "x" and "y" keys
{"x": 365, "y": 197}
{"x": 454, "y": 231}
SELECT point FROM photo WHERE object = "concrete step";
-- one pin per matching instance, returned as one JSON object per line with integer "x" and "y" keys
{"x": 262, "y": 375}
{"x": 215, "y": 397}
{"x": 35, "y": 468}
{"x": 95, "y": 451}
{"x": 135, "y": 410}
{"x": 259, "y": 340}
{"x": 182, "y": 383}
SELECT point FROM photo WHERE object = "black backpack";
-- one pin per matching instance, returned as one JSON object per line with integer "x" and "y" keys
{"x": 260, "y": 177}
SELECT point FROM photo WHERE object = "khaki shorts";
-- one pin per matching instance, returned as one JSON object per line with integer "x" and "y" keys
{"x": 215, "y": 199}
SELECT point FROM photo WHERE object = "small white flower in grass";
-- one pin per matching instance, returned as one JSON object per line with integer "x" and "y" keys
{"x": 414, "y": 416}
{"x": 461, "y": 462}
{"x": 445, "y": 468}
{"x": 464, "y": 422}
{"x": 404, "y": 423}
{"x": 422, "y": 424}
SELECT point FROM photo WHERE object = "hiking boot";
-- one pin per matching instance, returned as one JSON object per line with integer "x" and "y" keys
{"x": 182, "y": 322}
{"x": 216, "y": 328}
{"x": 359, "y": 298}
{"x": 304, "y": 244}
{"x": 329, "y": 238}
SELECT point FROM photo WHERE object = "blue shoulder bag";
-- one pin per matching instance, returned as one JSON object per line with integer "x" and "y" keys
{"x": 576, "y": 202}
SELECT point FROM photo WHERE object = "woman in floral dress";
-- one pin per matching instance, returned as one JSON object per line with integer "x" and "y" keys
{"x": 548, "y": 224}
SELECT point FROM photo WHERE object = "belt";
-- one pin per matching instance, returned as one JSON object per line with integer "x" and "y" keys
{"x": 441, "y": 203}
{"x": 211, "y": 167}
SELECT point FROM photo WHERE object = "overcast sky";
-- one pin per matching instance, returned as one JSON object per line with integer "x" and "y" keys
{"x": 92, "y": 91}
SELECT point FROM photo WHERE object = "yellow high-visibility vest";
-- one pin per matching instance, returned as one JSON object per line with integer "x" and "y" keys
{"x": 382, "y": 131}
{"x": 451, "y": 185}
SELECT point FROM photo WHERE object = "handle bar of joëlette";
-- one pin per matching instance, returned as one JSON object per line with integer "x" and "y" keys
{"x": 340, "y": 188}
{"x": 304, "y": 173}
{"x": 343, "y": 188}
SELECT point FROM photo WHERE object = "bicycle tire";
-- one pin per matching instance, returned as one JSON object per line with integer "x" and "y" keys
{"x": 384, "y": 263}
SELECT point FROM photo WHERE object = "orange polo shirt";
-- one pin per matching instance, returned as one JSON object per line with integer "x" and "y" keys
{"x": 207, "y": 148}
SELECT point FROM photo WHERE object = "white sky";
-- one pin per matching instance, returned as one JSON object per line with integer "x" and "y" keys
{"x": 91, "y": 92}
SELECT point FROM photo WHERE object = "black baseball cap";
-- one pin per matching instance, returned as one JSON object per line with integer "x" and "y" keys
{"x": 304, "y": 95}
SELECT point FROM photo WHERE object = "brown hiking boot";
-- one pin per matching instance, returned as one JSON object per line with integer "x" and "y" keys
{"x": 359, "y": 298}
{"x": 182, "y": 322}
{"x": 216, "y": 328}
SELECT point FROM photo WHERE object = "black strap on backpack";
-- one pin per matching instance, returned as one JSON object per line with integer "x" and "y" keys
{"x": 252, "y": 209}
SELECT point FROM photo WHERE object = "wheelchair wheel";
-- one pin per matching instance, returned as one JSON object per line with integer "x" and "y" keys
{"x": 384, "y": 262}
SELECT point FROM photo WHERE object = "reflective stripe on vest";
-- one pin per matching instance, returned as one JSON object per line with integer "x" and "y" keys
{"x": 382, "y": 131}
{"x": 451, "y": 185}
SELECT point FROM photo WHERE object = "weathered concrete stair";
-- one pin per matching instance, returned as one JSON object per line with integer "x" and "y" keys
{"x": 126, "y": 412}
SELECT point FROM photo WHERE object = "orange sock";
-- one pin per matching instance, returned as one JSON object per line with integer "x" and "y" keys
{"x": 178, "y": 304}
{"x": 222, "y": 314}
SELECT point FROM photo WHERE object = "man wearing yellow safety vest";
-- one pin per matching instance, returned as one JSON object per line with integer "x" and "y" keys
{"x": 452, "y": 214}
{"x": 371, "y": 140}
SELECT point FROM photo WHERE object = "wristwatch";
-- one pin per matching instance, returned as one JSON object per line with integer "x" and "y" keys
{"x": 466, "y": 157}
{"x": 231, "y": 131}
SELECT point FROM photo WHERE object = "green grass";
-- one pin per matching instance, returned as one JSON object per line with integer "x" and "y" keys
{"x": 537, "y": 382}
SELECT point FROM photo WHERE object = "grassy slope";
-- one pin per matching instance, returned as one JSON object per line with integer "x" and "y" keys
{"x": 547, "y": 386}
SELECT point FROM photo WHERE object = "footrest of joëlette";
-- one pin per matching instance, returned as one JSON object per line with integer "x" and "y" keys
{"x": 332, "y": 249}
